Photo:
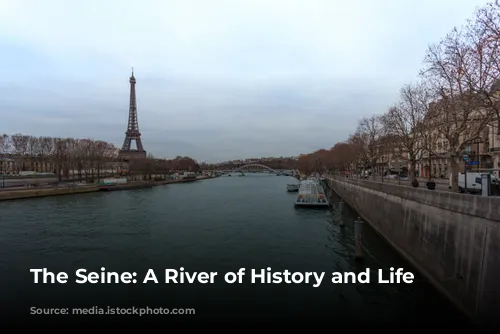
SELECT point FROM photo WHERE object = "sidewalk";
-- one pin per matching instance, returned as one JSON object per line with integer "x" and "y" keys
{"x": 441, "y": 185}
{"x": 442, "y": 181}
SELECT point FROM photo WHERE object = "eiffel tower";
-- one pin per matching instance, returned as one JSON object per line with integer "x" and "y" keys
{"x": 132, "y": 133}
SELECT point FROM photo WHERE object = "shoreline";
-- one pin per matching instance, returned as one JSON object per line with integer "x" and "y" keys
{"x": 59, "y": 191}
{"x": 45, "y": 192}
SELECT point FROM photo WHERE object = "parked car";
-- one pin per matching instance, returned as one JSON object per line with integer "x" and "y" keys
{"x": 474, "y": 183}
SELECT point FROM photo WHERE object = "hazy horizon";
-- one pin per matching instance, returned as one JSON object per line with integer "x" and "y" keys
{"x": 216, "y": 80}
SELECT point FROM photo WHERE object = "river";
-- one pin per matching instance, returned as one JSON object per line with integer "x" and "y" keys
{"x": 216, "y": 225}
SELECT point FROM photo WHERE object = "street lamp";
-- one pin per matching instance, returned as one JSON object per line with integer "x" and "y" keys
{"x": 3, "y": 173}
{"x": 478, "y": 155}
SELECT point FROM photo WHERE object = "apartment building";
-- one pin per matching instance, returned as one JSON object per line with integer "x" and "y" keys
{"x": 481, "y": 153}
{"x": 7, "y": 165}
{"x": 391, "y": 157}
{"x": 491, "y": 149}
{"x": 12, "y": 164}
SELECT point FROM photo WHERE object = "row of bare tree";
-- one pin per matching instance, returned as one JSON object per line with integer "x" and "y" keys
{"x": 57, "y": 155}
{"x": 456, "y": 102}
{"x": 80, "y": 158}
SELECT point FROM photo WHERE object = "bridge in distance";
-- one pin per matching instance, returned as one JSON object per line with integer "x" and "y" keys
{"x": 257, "y": 168}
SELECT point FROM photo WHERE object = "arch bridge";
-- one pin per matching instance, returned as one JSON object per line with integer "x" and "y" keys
{"x": 256, "y": 166}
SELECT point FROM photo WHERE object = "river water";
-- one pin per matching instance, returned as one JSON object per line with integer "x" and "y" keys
{"x": 216, "y": 225}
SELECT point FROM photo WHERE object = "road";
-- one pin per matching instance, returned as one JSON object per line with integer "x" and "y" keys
{"x": 440, "y": 184}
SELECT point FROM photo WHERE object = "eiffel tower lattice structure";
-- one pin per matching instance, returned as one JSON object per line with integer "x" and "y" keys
{"x": 132, "y": 133}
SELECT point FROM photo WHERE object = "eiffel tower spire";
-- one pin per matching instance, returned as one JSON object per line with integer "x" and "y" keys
{"x": 132, "y": 133}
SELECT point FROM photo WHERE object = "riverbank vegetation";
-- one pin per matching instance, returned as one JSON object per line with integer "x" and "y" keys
{"x": 86, "y": 158}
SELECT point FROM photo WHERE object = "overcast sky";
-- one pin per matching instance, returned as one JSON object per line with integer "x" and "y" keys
{"x": 216, "y": 80}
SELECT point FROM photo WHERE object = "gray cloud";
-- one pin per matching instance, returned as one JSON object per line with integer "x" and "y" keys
{"x": 216, "y": 80}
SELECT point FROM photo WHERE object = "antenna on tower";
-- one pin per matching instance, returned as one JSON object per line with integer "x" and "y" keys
{"x": 132, "y": 70}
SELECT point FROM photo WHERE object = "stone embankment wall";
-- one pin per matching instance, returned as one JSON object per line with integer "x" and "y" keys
{"x": 451, "y": 238}
{"x": 44, "y": 192}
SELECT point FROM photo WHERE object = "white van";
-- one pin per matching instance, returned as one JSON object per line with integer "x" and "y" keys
{"x": 474, "y": 181}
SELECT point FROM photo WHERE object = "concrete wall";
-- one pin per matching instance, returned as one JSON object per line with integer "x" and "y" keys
{"x": 45, "y": 192}
{"x": 452, "y": 238}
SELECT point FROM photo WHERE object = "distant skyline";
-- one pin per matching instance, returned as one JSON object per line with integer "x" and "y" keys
{"x": 216, "y": 80}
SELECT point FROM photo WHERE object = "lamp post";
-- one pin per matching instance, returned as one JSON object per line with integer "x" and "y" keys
{"x": 3, "y": 173}
{"x": 478, "y": 156}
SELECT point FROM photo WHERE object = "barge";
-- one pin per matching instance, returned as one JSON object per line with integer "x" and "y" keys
{"x": 123, "y": 184}
{"x": 311, "y": 194}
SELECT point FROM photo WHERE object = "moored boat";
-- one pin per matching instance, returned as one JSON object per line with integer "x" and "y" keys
{"x": 293, "y": 187}
{"x": 115, "y": 184}
{"x": 125, "y": 186}
{"x": 311, "y": 194}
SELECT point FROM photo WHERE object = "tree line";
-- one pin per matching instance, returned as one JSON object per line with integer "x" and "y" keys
{"x": 454, "y": 103}
{"x": 85, "y": 159}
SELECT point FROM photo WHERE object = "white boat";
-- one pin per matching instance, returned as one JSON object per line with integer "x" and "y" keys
{"x": 292, "y": 187}
{"x": 311, "y": 194}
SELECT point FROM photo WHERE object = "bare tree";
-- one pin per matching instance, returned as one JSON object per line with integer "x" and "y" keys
{"x": 431, "y": 141}
{"x": 481, "y": 64}
{"x": 45, "y": 149}
{"x": 149, "y": 167}
{"x": 60, "y": 157}
{"x": 32, "y": 152}
{"x": 88, "y": 159}
{"x": 402, "y": 123}
{"x": 487, "y": 19}
{"x": 342, "y": 155}
{"x": 99, "y": 150}
{"x": 368, "y": 138}
{"x": 5, "y": 144}
{"x": 320, "y": 161}
{"x": 305, "y": 164}
{"x": 459, "y": 114}
{"x": 20, "y": 146}
{"x": 79, "y": 160}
